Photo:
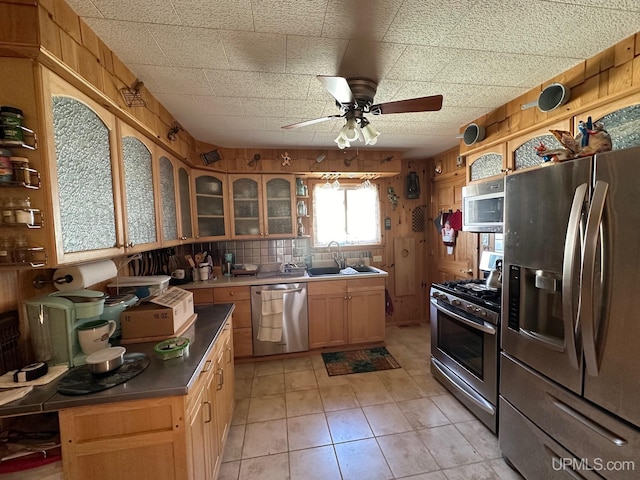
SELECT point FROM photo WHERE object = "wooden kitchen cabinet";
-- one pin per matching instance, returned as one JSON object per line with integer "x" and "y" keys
{"x": 488, "y": 163}
{"x": 175, "y": 200}
{"x": 79, "y": 148}
{"x": 140, "y": 192}
{"x": 345, "y": 312}
{"x": 166, "y": 438}
{"x": 184, "y": 202}
{"x": 242, "y": 330}
{"x": 366, "y": 322}
{"x": 327, "y": 303}
{"x": 210, "y": 205}
{"x": 263, "y": 206}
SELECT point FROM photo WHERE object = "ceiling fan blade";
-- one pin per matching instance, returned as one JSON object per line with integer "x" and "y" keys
{"x": 421, "y": 104}
{"x": 339, "y": 88}
{"x": 310, "y": 122}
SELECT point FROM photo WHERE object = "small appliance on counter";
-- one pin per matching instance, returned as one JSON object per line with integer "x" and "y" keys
{"x": 114, "y": 305}
{"x": 53, "y": 321}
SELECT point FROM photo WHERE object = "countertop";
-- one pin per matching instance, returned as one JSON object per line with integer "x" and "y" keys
{"x": 162, "y": 378}
{"x": 269, "y": 278}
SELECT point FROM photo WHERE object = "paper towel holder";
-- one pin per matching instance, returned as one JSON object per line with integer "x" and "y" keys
{"x": 40, "y": 281}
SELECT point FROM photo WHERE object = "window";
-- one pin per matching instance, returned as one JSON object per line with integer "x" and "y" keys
{"x": 346, "y": 213}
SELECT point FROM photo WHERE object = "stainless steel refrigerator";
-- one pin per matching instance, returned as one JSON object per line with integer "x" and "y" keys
{"x": 570, "y": 362}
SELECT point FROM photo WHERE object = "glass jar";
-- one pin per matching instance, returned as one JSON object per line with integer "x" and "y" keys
{"x": 9, "y": 211}
{"x": 302, "y": 209}
{"x": 24, "y": 214}
{"x": 6, "y": 172}
{"x": 20, "y": 166}
{"x": 20, "y": 249}
{"x": 300, "y": 227}
{"x": 299, "y": 187}
{"x": 6, "y": 246}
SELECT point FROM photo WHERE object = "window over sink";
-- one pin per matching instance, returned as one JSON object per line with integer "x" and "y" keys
{"x": 346, "y": 212}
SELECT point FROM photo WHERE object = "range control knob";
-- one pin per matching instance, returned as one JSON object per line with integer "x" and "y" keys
{"x": 456, "y": 303}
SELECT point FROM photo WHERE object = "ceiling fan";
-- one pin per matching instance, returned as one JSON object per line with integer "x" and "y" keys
{"x": 354, "y": 98}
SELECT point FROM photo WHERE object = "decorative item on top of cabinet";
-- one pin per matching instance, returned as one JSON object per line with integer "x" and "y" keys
{"x": 621, "y": 120}
{"x": 211, "y": 208}
{"x": 263, "y": 206}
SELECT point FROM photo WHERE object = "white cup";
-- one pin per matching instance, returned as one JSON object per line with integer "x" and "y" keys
{"x": 178, "y": 274}
{"x": 94, "y": 335}
{"x": 204, "y": 271}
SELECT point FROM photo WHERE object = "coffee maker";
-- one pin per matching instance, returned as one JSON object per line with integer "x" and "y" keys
{"x": 53, "y": 320}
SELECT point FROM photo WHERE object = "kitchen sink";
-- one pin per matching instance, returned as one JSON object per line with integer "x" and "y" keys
{"x": 319, "y": 271}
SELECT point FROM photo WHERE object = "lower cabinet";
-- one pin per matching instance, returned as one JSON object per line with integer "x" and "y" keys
{"x": 346, "y": 312}
{"x": 242, "y": 331}
{"x": 172, "y": 438}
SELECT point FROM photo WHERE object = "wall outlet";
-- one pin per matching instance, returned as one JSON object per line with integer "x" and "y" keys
{"x": 377, "y": 258}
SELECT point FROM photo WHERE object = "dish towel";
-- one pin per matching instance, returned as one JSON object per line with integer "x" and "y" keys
{"x": 270, "y": 327}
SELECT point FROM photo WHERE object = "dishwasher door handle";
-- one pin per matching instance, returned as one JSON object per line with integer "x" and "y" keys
{"x": 283, "y": 291}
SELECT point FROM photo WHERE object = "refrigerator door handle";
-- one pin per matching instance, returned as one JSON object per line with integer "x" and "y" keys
{"x": 587, "y": 277}
{"x": 572, "y": 239}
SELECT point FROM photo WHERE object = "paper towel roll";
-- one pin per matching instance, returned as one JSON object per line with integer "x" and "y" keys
{"x": 85, "y": 275}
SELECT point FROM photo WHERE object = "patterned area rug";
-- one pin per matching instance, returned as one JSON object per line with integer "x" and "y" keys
{"x": 359, "y": 361}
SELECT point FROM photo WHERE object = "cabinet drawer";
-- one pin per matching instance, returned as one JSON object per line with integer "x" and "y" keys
{"x": 231, "y": 294}
{"x": 202, "y": 296}
{"x": 365, "y": 284}
{"x": 324, "y": 288}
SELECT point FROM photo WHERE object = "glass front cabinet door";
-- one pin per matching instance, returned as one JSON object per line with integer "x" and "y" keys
{"x": 210, "y": 189}
{"x": 263, "y": 206}
{"x": 142, "y": 231}
{"x": 168, "y": 200}
{"x": 84, "y": 175}
{"x": 184, "y": 203}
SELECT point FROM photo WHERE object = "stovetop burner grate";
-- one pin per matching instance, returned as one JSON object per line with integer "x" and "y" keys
{"x": 474, "y": 290}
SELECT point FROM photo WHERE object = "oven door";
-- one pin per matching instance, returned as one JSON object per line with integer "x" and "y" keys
{"x": 466, "y": 347}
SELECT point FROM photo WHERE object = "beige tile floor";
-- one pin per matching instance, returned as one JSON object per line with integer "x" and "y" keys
{"x": 293, "y": 421}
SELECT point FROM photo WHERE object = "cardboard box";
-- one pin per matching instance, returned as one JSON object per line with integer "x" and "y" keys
{"x": 152, "y": 320}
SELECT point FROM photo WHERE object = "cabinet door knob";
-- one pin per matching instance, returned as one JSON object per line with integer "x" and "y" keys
{"x": 231, "y": 294}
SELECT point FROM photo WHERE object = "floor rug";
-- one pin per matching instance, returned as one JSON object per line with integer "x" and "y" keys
{"x": 359, "y": 361}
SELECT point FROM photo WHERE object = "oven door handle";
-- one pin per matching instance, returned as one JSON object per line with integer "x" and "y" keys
{"x": 483, "y": 328}
{"x": 463, "y": 388}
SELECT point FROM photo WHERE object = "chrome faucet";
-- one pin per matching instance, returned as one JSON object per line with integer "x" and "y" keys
{"x": 336, "y": 255}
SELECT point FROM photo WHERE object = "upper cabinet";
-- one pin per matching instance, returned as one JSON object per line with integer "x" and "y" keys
{"x": 184, "y": 203}
{"x": 522, "y": 150}
{"x": 263, "y": 206}
{"x": 210, "y": 205}
{"x": 84, "y": 178}
{"x": 140, "y": 215}
{"x": 490, "y": 162}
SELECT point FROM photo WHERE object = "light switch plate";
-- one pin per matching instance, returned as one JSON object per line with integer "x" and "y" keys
{"x": 377, "y": 258}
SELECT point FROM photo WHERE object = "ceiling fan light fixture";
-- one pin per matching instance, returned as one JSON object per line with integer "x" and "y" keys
{"x": 370, "y": 134}
{"x": 342, "y": 143}
{"x": 350, "y": 130}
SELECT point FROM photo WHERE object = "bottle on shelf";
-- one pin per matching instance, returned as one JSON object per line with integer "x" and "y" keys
{"x": 300, "y": 227}
{"x": 24, "y": 214}
{"x": 20, "y": 249}
{"x": 9, "y": 211}
{"x": 302, "y": 208}
{"x": 6, "y": 247}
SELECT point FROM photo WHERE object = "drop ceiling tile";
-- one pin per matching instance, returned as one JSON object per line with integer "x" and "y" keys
{"x": 179, "y": 80}
{"x": 426, "y": 22}
{"x": 291, "y": 17}
{"x": 276, "y": 123}
{"x": 131, "y": 42}
{"x": 457, "y": 94}
{"x": 190, "y": 47}
{"x": 263, "y": 107}
{"x": 178, "y": 105}
{"x": 219, "y": 105}
{"x": 372, "y": 19}
{"x": 506, "y": 69}
{"x": 84, "y": 8}
{"x": 258, "y": 85}
{"x": 245, "y": 123}
{"x": 148, "y": 11}
{"x": 215, "y": 14}
{"x": 314, "y": 55}
{"x": 371, "y": 60}
{"x": 627, "y": 5}
{"x": 449, "y": 115}
{"x": 251, "y": 51}
{"x": 304, "y": 108}
{"x": 297, "y": 138}
{"x": 420, "y": 63}
{"x": 204, "y": 127}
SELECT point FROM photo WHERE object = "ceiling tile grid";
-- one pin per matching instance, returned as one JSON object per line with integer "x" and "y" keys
{"x": 233, "y": 72}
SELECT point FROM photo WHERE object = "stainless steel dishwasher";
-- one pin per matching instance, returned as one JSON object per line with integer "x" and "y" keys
{"x": 295, "y": 320}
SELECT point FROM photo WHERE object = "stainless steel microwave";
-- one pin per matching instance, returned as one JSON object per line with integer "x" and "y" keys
{"x": 483, "y": 207}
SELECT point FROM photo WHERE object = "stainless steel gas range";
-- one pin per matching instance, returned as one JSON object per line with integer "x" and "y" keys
{"x": 465, "y": 333}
